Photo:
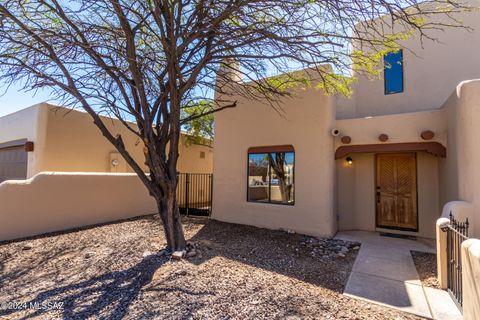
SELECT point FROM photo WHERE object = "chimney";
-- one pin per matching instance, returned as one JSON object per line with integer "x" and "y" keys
{"x": 229, "y": 73}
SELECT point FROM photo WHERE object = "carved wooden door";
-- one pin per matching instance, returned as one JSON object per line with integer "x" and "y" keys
{"x": 396, "y": 191}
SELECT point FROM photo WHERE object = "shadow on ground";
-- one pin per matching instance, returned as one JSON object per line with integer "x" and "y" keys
{"x": 271, "y": 250}
{"x": 111, "y": 294}
{"x": 88, "y": 298}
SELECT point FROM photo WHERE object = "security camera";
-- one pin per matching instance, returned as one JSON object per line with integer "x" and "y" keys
{"x": 335, "y": 132}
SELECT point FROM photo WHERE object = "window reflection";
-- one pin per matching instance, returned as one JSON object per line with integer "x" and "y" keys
{"x": 271, "y": 177}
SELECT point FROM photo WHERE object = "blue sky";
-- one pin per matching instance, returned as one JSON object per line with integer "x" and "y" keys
{"x": 14, "y": 99}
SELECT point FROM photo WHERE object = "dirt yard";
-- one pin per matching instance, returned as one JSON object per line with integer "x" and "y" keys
{"x": 115, "y": 271}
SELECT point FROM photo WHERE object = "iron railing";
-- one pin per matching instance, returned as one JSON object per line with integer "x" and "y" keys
{"x": 194, "y": 193}
{"x": 457, "y": 232}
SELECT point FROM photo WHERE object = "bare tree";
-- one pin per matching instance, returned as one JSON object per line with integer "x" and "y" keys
{"x": 145, "y": 60}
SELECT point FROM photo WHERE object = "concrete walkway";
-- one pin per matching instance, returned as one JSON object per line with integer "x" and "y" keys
{"x": 384, "y": 273}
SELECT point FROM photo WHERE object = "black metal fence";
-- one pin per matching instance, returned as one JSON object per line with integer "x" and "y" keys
{"x": 457, "y": 232}
{"x": 194, "y": 193}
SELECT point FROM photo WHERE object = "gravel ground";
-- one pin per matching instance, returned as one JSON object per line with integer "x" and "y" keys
{"x": 115, "y": 271}
{"x": 426, "y": 264}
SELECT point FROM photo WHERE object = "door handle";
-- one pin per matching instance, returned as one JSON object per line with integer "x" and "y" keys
{"x": 378, "y": 194}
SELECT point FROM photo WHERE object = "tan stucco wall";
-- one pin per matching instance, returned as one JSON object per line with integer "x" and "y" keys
{"x": 448, "y": 167}
{"x": 306, "y": 125}
{"x": 471, "y": 279}
{"x": 430, "y": 73}
{"x": 190, "y": 160}
{"x": 27, "y": 124}
{"x": 68, "y": 141}
{"x": 442, "y": 254}
{"x": 460, "y": 176}
{"x": 58, "y": 201}
{"x": 356, "y": 194}
{"x": 74, "y": 143}
{"x": 428, "y": 194}
{"x": 399, "y": 128}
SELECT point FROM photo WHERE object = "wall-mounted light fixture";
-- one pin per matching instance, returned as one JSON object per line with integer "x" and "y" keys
{"x": 349, "y": 160}
{"x": 114, "y": 162}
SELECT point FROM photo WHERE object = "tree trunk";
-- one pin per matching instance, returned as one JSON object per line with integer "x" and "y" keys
{"x": 170, "y": 215}
{"x": 278, "y": 167}
{"x": 284, "y": 190}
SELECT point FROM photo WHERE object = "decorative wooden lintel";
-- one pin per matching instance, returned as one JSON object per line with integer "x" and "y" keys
{"x": 265, "y": 149}
{"x": 433, "y": 148}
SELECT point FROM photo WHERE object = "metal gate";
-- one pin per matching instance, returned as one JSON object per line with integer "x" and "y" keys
{"x": 194, "y": 193}
{"x": 457, "y": 232}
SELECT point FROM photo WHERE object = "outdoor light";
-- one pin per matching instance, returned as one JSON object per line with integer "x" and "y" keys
{"x": 349, "y": 160}
{"x": 114, "y": 162}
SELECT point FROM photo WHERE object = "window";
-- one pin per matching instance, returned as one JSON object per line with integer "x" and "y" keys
{"x": 393, "y": 72}
{"x": 202, "y": 154}
{"x": 271, "y": 174}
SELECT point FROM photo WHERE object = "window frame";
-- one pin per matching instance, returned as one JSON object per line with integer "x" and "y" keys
{"x": 385, "y": 75}
{"x": 264, "y": 150}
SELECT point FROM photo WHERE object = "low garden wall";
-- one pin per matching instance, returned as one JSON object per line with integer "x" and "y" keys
{"x": 58, "y": 201}
{"x": 471, "y": 279}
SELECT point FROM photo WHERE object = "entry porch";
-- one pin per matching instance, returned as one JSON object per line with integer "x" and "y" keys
{"x": 384, "y": 273}
{"x": 389, "y": 191}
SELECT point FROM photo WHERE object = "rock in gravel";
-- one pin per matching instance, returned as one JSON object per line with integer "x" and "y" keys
{"x": 191, "y": 253}
{"x": 27, "y": 246}
{"x": 205, "y": 243}
{"x": 356, "y": 248}
{"x": 89, "y": 254}
{"x": 178, "y": 255}
{"x": 326, "y": 248}
{"x": 146, "y": 254}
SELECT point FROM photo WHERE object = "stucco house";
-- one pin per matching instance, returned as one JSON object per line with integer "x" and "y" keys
{"x": 388, "y": 158}
{"x": 56, "y": 139}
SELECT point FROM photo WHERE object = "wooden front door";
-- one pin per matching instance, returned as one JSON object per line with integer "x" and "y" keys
{"x": 396, "y": 191}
